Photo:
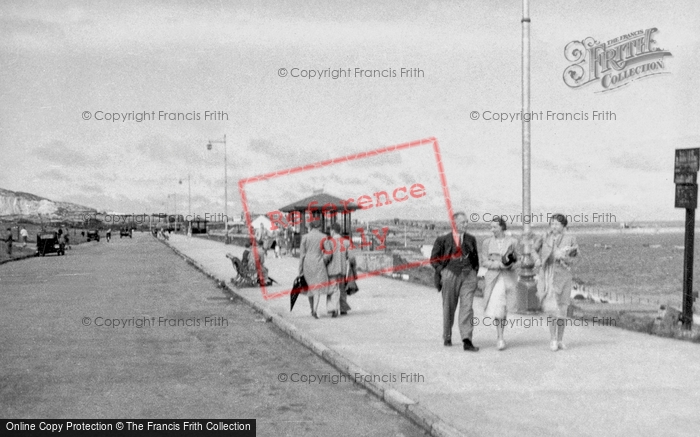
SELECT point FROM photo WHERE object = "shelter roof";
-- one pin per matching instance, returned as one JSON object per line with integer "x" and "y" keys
{"x": 321, "y": 200}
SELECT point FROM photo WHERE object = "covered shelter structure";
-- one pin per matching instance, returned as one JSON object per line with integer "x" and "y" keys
{"x": 199, "y": 226}
{"x": 319, "y": 206}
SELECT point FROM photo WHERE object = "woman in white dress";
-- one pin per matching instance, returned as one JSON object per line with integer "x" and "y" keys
{"x": 498, "y": 256}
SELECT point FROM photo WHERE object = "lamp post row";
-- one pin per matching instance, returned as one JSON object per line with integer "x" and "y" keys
{"x": 210, "y": 144}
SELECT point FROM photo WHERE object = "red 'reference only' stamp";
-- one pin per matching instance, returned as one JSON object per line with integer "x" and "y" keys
{"x": 417, "y": 187}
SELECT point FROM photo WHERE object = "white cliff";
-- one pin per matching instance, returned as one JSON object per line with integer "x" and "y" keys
{"x": 17, "y": 204}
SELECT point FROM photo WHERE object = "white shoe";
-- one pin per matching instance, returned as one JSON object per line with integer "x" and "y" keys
{"x": 554, "y": 346}
{"x": 561, "y": 346}
{"x": 501, "y": 344}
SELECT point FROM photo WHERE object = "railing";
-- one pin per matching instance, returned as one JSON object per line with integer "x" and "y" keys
{"x": 602, "y": 296}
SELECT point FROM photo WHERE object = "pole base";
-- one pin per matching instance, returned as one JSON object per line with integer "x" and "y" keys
{"x": 526, "y": 300}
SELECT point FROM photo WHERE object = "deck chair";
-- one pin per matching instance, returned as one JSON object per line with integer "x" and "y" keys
{"x": 246, "y": 276}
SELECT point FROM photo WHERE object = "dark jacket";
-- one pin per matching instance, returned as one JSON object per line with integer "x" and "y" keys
{"x": 464, "y": 260}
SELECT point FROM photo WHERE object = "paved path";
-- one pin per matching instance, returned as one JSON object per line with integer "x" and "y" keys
{"x": 609, "y": 381}
{"x": 54, "y": 366}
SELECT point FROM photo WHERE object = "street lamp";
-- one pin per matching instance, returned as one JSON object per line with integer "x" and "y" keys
{"x": 189, "y": 204}
{"x": 209, "y": 147}
{"x": 189, "y": 194}
{"x": 526, "y": 292}
{"x": 176, "y": 217}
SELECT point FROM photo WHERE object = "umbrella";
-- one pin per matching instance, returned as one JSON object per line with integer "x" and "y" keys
{"x": 300, "y": 286}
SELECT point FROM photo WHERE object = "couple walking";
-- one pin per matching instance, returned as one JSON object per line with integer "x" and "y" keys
{"x": 456, "y": 263}
{"x": 322, "y": 262}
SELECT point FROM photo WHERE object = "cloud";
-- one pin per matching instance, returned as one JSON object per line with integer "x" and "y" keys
{"x": 53, "y": 174}
{"x": 350, "y": 181}
{"x": 159, "y": 148}
{"x": 387, "y": 178}
{"x": 407, "y": 178}
{"x": 571, "y": 168}
{"x": 58, "y": 152}
{"x": 386, "y": 160}
{"x": 635, "y": 161}
{"x": 149, "y": 26}
{"x": 91, "y": 188}
{"x": 273, "y": 152}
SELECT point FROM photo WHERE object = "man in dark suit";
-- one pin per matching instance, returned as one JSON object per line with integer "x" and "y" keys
{"x": 456, "y": 263}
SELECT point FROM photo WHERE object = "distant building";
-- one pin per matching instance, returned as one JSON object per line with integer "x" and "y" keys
{"x": 236, "y": 226}
{"x": 261, "y": 219}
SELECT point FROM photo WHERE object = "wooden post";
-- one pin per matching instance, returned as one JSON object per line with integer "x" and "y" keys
{"x": 687, "y": 315}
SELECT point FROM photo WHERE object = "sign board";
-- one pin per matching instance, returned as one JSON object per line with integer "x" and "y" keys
{"x": 685, "y": 178}
{"x": 687, "y": 196}
{"x": 687, "y": 160}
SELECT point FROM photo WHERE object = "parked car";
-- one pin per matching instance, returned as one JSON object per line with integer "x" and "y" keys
{"x": 93, "y": 235}
{"x": 124, "y": 232}
{"x": 47, "y": 242}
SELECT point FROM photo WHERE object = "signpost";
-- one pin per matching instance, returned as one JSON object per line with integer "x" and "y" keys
{"x": 685, "y": 177}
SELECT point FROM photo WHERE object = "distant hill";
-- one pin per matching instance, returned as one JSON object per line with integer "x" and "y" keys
{"x": 16, "y": 204}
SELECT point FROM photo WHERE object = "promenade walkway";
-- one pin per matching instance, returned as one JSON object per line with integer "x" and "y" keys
{"x": 608, "y": 382}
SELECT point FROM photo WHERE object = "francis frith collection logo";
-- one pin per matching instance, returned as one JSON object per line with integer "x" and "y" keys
{"x": 615, "y": 63}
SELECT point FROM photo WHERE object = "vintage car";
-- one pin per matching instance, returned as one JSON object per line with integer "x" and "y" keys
{"x": 124, "y": 232}
{"x": 47, "y": 242}
{"x": 93, "y": 235}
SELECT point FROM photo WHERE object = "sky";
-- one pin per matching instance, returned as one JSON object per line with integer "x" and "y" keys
{"x": 67, "y": 66}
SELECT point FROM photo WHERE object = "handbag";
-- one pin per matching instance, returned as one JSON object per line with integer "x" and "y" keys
{"x": 350, "y": 284}
{"x": 509, "y": 259}
{"x": 351, "y": 287}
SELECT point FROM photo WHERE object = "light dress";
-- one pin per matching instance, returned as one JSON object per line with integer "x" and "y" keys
{"x": 498, "y": 282}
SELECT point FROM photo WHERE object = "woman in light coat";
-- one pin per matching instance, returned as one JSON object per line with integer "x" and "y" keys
{"x": 312, "y": 264}
{"x": 498, "y": 256}
{"x": 558, "y": 252}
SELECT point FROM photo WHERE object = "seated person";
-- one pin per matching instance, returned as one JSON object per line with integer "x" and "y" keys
{"x": 247, "y": 268}
{"x": 252, "y": 266}
{"x": 245, "y": 258}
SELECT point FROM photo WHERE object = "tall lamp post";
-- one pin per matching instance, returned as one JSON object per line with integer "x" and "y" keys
{"x": 165, "y": 214}
{"x": 209, "y": 147}
{"x": 189, "y": 202}
{"x": 177, "y": 219}
{"x": 174, "y": 195}
{"x": 526, "y": 292}
{"x": 189, "y": 194}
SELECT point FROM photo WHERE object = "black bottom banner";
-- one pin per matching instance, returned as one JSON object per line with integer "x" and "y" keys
{"x": 40, "y": 427}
